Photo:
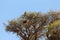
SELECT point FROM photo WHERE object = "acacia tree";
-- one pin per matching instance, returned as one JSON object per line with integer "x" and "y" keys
{"x": 34, "y": 25}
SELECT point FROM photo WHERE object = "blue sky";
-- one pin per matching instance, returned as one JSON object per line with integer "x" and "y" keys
{"x": 10, "y": 9}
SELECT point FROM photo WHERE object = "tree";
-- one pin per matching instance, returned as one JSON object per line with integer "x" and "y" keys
{"x": 34, "y": 25}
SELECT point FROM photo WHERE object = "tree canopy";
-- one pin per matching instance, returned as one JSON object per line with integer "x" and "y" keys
{"x": 34, "y": 25}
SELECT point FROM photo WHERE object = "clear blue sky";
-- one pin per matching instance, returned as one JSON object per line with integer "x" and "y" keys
{"x": 10, "y": 9}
